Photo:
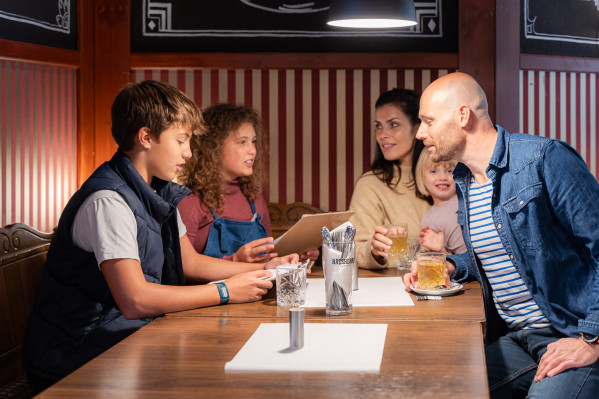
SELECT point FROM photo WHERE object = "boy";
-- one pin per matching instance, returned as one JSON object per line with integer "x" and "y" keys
{"x": 121, "y": 255}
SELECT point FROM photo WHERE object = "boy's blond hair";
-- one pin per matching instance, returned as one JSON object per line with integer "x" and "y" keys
{"x": 424, "y": 163}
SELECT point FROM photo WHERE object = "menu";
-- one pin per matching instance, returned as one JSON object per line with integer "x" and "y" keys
{"x": 307, "y": 232}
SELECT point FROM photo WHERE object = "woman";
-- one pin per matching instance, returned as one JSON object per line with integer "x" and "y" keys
{"x": 226, "y": 216}
{"x": 387, "y": 192}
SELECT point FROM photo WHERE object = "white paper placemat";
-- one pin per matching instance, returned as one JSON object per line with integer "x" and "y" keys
{"x": 327, "y": 347}
{"x": 373, "y": 291}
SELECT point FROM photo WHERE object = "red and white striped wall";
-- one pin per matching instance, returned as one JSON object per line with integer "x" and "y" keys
{"x": 562, "y": 105}
{"x": 319, "y": 122}
{"x": 38, "y": 142}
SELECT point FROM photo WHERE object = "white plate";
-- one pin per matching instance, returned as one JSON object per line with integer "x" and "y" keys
{"x": 453, "y": 288}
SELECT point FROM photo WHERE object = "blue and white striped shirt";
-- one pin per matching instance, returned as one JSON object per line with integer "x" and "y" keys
{"x": 512, "y": 299}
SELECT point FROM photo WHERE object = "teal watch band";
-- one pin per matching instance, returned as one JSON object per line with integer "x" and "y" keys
{"x": 223, "y": 292}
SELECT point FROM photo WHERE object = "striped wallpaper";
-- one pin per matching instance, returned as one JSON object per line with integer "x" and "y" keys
{"x": 38, "y": 142}
{"x": 319, "y": 122}
{"x": 562, "y": 105}
{"x": 314, "y": 158}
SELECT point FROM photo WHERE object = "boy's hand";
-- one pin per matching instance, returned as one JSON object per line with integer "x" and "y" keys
{"x": 248, "y": 287}
{"x": 283, "y": 260}
{"x": 256, "y": 251}
{"x": 432, "y": 240}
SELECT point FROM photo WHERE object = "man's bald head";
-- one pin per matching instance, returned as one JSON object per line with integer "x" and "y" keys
{"x": 454, "y": 90}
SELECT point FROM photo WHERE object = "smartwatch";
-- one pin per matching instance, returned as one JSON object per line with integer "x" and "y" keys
{"x": 589, "y": 338}
{"x": 223, "y": 292}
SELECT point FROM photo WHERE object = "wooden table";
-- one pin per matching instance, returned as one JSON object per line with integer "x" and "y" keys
{"x": 185, "y": 357}
{"x": 466, "y": 305}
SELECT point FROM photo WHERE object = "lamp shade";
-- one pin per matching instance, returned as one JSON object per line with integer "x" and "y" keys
{"x": 372, "y": 13}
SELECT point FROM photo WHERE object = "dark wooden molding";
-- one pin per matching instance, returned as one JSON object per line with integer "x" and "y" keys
{"x": 507, "y": 64}
{"x": 112, "y": 71}
{"x": 295, "y": 60}
{"x": 558, "y": 63}
{"x": 476, "y": 48}
{"x": 18, "y": 241}
{"x": 85, "y": 101}
{"x": 27, "y": 52}
{"x": 283, "y": 216}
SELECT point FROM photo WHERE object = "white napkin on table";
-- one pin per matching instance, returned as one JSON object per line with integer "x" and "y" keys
{"x": 373, "y": 291}
{"x": 327, "y": 347}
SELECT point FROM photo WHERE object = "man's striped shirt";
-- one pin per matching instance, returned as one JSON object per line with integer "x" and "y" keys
{"x": 512, "y": 299}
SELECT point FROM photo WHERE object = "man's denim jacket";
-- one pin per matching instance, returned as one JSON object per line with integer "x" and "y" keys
{"x": 546, "y": 210}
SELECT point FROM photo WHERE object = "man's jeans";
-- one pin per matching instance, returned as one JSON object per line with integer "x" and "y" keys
{"x": 512, "y": 364}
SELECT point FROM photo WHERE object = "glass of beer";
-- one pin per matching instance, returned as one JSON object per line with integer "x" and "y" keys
{"x": 398, "y": 234}
{"x": 431, "y": 270}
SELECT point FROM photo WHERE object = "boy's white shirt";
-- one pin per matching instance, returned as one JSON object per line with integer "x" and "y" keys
{"x": 105, "y": 225}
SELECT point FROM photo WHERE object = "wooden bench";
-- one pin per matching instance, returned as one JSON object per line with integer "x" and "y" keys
{"x": 23, "y": 253}
{"x": 283, "y": 216}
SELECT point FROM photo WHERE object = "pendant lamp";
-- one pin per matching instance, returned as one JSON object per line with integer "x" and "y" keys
{"x": 372, "y": 13}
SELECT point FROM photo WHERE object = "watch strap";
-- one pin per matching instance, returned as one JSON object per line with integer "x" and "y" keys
{"x": 589, "y": 338}
{"x": 223, "y": 291}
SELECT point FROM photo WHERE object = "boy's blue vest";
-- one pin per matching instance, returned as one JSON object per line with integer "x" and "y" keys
{"x": 75, "y": 317}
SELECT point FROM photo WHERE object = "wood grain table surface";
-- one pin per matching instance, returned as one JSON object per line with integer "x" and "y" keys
{"x": 184, "y": 357}
{"x": 465, "y": 305}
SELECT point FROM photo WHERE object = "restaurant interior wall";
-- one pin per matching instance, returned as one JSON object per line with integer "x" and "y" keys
{"x": 38, "y": 127}
{"x": 562, "y": 105}
{"x": 38, "y": 157}
{"x": 319, "y": 122}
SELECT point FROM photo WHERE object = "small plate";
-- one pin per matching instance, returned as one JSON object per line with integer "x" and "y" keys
{"x": 452, "y": 289}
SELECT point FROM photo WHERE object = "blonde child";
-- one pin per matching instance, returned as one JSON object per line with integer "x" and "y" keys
{"x": 440, "y": 231}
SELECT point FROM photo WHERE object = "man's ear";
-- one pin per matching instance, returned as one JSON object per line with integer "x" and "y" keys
{"x": 144, "y": 137}
{"x": 463, "y": 115}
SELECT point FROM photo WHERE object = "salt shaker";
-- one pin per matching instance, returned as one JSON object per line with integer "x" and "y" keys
{"x": 296, "y": 328}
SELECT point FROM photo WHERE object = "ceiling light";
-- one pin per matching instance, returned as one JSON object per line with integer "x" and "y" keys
{"x": 372, "y": 13}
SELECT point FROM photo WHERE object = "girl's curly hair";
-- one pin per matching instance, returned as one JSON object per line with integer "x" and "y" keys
{"x": 202, "y": 171}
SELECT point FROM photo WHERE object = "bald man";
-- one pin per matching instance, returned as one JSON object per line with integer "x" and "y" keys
{"x": 529, "y": 212}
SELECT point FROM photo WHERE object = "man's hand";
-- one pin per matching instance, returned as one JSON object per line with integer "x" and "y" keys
{"x": 565, "y": 354}
{"x": 411, "y": 278}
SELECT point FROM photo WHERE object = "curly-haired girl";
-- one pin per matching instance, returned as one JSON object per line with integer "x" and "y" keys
{"x": 227, "y": 216}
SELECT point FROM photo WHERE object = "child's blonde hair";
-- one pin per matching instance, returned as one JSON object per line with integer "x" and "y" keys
{"x": 424, "y": 163}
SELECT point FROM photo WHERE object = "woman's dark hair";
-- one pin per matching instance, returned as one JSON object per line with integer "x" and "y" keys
{"x": 408, "y": 101}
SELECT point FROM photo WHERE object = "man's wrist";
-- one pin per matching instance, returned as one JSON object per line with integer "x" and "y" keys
{"x": 589, "y": 338}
